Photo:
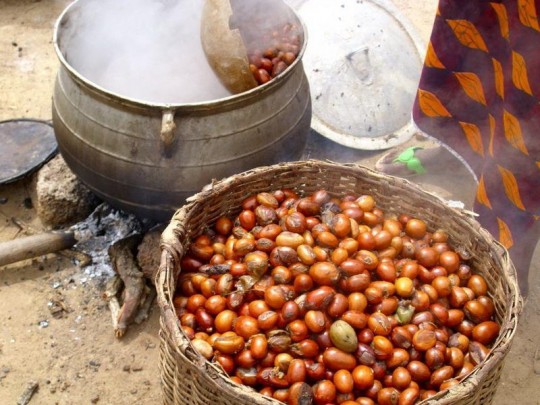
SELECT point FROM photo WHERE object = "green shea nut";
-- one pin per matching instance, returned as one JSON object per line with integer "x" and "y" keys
{"x": 343, "y": 336}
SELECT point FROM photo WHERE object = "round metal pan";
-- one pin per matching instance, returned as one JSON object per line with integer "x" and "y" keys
{"x": 26, "y": 145}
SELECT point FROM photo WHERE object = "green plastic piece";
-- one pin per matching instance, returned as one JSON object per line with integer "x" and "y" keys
{"x": 410, "y": 160}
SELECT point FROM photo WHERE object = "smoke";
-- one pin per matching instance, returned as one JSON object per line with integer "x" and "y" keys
{"x": 259, "y": 18}
{"x": 148, "y": 50}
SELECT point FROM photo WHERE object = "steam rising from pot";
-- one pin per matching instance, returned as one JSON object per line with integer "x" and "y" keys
{"x": 147, "y": 50}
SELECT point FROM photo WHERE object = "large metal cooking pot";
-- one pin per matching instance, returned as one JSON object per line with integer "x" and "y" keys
{"x": 147, "y": 158}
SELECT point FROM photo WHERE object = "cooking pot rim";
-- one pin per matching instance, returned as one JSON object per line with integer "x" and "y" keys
{"x": 229, "y": 100}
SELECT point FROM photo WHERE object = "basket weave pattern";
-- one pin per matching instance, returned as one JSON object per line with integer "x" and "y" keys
{"x": 187, "y": 378}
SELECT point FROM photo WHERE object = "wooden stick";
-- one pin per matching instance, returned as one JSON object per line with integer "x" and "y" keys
{"x": 36, "y": 245}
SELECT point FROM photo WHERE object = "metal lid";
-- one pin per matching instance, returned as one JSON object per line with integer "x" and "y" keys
{"x": 363, "y": 62}
{"x": 26, "y": 146}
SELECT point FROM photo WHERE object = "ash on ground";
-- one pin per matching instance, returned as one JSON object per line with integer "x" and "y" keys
{"x": 104, "y": 227}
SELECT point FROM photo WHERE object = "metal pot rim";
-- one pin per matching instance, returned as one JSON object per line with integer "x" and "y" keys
{"x": 203, "y": 105}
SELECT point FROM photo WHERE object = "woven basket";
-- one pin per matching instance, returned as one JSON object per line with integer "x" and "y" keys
{"x": 187, "y": 378}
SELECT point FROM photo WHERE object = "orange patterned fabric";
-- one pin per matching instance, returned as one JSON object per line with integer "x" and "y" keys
{"x": 480, "y": 95}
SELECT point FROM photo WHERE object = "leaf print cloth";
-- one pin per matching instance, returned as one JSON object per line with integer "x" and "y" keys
{"x": 479, "y": 94}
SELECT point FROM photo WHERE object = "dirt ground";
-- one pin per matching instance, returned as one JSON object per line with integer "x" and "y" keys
{"x": 75, "y": 358}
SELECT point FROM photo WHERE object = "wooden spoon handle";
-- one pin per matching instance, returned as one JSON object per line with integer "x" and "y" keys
{"x": 36, "y": 245}
{"x": 224, "y": 47}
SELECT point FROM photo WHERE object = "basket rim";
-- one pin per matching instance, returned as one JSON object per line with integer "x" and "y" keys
{"x": 172, "y": 252}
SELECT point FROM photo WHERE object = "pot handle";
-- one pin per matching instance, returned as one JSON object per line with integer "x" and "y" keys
{"x": 167, "y": 128}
